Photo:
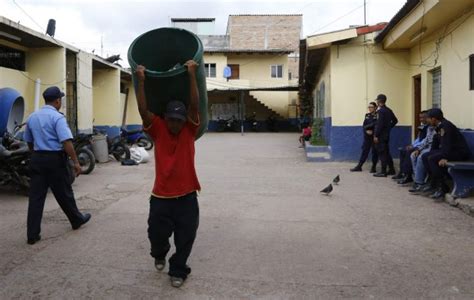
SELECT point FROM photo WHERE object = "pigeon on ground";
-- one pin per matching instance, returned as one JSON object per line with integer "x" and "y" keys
{"x": 327, "y": 190}
{"x": 336, "y": 180}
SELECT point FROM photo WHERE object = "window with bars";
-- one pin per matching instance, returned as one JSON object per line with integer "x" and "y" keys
{"x": 12, "y": 58}
{"x": 277, "y": 71}
{"x": 436, "y": 88}
{"x": 210, "y": 70}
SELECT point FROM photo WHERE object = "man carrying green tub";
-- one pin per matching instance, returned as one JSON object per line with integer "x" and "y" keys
{"x": 173, "y": 203}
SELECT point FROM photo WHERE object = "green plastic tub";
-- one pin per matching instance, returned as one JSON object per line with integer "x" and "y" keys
{"x": 163, "y": 52}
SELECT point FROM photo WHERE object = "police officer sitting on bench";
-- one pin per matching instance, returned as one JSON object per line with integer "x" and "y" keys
{"x": 49, "y": 137}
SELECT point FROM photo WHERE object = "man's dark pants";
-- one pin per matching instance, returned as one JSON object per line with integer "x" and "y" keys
{"x": 405, "y": 161}
{"x": 178, "y": 216}
{"x": 366, "y": 147}
{"x": 49, "y": 170}
{"x": 383, "y": 149}
{"x": 437, "y": 173}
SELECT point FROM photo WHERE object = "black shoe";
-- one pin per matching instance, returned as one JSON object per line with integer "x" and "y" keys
{"x": 391, "y": 172}
{"x": 438, "y": 195}
{"x": 34, "y": 240}
{"x": 86, "y": 219}
{"x": 406, "y": 180}
{"x": 398, "y": 176}
{"x": 357, "y": 168}
{"x": 381, "y": 174}
{"x": 373, "y": 169}
{"x": 428, "y": 189}
{"x": 416, "y": 189}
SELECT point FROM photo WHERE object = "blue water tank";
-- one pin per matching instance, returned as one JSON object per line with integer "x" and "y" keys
{"x": 12, "y": 109}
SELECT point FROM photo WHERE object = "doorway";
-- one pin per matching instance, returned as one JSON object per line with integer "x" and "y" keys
{"x": 71, "y": 91}
{"x": 417, "y": 102}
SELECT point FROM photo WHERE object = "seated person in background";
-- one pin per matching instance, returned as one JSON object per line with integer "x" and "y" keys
{"x": 448, "y": 145}
{"x": 405, "y": 174}
{"x": 306, "y": 135}
{"x": 368, "y": 144}
{"x": 421, "y": 150}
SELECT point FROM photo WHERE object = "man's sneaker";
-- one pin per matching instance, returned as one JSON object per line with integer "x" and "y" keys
{"x": 391, "y": 172}
{"x": 356, "y": 169}
{"x": 160, "y": 264}
{"x": 176, "y": 281}
{"x": 373, "y": 169}
{"x": 416, "y": 189}
{"x": 438, "y": 195}
{"x": 428, "y": 189}
{"x": 381, "y": 174}
{"x": 405, "y": 180}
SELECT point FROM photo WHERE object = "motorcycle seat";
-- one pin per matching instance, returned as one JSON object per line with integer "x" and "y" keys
{"x": 4, "y": 152}
{"x": 130, "y": 132}
{"x": 19, "y": 148}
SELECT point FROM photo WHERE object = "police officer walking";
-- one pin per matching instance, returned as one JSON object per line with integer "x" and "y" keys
{"x": 386, "y": 120}
{"x": 368, "y": 145}
{"x": 50, "y": 139}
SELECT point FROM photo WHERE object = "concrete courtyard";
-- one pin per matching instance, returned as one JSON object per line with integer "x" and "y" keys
{"x": 265, "y": 233}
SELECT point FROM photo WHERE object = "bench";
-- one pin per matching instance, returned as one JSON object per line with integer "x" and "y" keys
{"x": 462, "y": 173}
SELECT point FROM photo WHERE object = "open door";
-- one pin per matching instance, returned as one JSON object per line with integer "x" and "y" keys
{"x": 417, "y": 102}
{"x": 71, "y": 91}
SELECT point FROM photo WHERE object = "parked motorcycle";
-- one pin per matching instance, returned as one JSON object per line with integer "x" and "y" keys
{"x": 82, "y": 144}
{"x": 117, "y": 148}
{"x": 252, "y": 121}
{"x": 138, "y": 137}
{"x": 14, "y": 160}
{"x": 229, "y": 125}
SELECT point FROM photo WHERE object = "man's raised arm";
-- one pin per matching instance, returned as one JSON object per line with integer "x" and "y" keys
{"x": 193, "y": 110}
{"x": 145, "y": 114}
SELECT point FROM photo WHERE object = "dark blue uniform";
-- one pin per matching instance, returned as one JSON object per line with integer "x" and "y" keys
{"x": 449, "y": 144}
{"x": 386, "y": 120}
{"x": 368, "y": 144}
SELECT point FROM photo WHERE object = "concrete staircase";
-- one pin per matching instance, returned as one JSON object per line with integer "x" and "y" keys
{"x": 253, "y": 104}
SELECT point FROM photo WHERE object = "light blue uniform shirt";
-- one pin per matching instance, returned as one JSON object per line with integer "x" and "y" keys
{"x": 47, "y": 129}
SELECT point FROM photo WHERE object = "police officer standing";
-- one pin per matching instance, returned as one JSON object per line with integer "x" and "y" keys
{"x": 368, "y": 145}
{"x": 386, "y": 120}
{"x": 50, "y": 139}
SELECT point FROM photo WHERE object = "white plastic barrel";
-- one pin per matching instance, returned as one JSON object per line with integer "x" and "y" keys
{"x": 100, "y": 148}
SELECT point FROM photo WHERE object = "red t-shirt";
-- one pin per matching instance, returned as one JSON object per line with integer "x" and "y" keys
{"x": 175, "y": 174}
{"x": 307, "y": 131}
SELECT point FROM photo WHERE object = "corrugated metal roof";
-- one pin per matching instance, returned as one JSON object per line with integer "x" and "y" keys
{"x": 262, "y": 51}
{"x": 266, "y": 15}
{"x": 405, "y": 10}
{"x": 193, "y": 19}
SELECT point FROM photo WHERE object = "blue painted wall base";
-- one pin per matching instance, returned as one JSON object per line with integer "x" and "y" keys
{"x": 346, "y": 141}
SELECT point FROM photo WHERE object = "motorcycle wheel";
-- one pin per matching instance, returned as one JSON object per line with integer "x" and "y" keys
{"x": 145, "y": 143}
{"x": 121, "y": 152}
{"x": 86, "y": 160}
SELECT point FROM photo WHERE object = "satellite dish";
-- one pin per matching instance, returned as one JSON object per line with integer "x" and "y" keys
{"x": 51, "y": 27}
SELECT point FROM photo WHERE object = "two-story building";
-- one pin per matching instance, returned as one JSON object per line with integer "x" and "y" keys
{"x": 252, "y": 68}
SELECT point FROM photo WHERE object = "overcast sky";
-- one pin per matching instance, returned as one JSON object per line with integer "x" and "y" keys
{"x": 83, "y": 23}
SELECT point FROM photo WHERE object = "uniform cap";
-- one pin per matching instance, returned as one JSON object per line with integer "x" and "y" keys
{"x": 52, "y": 93}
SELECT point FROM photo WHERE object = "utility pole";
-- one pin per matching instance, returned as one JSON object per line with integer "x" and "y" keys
{"x": 365, "y": 12}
